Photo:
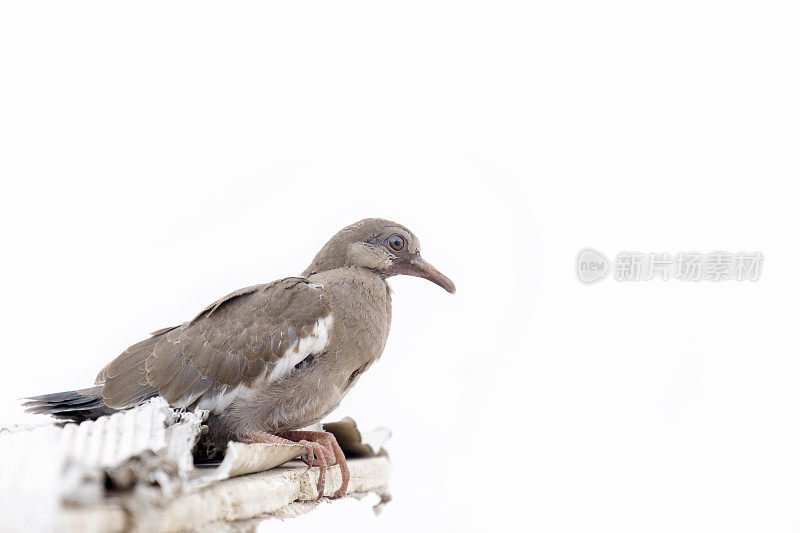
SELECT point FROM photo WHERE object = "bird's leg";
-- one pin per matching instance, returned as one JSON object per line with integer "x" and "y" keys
{"x": 328, "y": 440}
{"x": 316, "y": 452}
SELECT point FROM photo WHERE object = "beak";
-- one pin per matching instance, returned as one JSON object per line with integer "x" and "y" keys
{"x": 422, "y": 269}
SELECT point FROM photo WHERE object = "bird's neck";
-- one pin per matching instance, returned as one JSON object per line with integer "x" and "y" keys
{"x": 356, "y": 281}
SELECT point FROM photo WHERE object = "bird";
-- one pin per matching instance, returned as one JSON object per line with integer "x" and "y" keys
{"x": 268, "y": 360}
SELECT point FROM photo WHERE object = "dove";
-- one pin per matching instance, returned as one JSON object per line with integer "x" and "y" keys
{"x": 268, "y": 360}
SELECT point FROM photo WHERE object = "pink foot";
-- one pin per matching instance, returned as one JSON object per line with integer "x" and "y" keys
{"x": 333, "y": 453}
{"x": 316, "y": 453}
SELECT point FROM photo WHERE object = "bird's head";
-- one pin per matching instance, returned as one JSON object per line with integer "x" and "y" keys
{"x": 380, "y": 245}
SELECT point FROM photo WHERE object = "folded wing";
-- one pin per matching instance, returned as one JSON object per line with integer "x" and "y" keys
{"x": 251, "y": 337}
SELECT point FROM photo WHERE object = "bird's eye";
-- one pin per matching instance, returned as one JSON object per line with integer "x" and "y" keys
{"x": 396, "y": 242}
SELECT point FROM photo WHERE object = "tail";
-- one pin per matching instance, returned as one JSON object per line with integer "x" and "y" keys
{"x": 75, "y": 405}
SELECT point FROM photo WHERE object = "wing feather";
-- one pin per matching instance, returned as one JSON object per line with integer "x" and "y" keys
{"x": 254, "y": 334}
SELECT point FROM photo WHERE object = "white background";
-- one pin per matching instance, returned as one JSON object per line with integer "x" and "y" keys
{"x": 155, "y": 156}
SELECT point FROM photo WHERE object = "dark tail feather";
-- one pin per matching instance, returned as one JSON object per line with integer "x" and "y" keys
{"x": 75, "y": 405}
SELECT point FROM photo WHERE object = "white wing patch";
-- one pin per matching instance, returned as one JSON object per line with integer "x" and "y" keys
{"x": 218, "y": 400}
{"x": 302, "y": 348}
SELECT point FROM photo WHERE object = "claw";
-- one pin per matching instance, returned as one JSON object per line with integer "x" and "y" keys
{"x": 331, "y": 452}
{"x": 314, "y": 449}
{"x": 322, "y": 451}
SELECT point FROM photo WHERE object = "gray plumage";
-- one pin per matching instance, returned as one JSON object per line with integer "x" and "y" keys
{"x": 273, "y": 357}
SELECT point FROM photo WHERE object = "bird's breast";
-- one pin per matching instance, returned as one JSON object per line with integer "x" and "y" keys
{"x": 361, "y": 306}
